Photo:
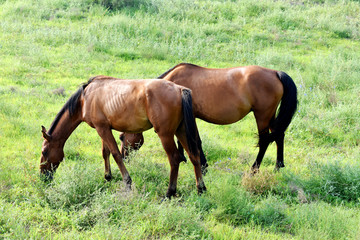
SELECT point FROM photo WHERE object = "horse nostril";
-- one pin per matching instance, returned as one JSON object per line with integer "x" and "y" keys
{"x": 46, "y": 176}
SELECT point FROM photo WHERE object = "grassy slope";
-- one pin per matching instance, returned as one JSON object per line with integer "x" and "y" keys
{"x": 46, "y": 45}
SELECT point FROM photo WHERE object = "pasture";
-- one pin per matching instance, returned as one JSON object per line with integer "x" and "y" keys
{"x": 48, "y": 48}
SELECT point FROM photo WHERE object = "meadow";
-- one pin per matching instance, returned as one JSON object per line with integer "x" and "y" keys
{"x": 49, "y": 47}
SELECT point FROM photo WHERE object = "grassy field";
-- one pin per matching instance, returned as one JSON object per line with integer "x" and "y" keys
{"x": 49, "y": 47}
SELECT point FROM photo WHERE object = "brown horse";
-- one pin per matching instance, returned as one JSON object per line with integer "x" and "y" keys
{"x": 224, "y": 96}
{"x": 132, "y": 142}
{"x": 133, "y": 106}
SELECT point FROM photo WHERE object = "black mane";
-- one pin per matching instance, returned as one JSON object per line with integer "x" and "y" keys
{"x": 71, "y": 105}
{"x": 180, "y": 64}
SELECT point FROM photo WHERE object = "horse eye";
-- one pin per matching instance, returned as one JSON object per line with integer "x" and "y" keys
{"x": 44, "y": 153}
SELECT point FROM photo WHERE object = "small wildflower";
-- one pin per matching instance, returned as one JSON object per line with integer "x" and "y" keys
{"x": 229, "y": 158}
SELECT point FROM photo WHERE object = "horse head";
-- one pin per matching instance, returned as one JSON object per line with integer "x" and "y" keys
{"x": 51, "y": 155}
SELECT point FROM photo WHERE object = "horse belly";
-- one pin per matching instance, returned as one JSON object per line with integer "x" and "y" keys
{"x": 131, "y": 118}
{"x": 221, "y": 108}
{"x": 222, "y": 116}
{"x": 131, "y": 124}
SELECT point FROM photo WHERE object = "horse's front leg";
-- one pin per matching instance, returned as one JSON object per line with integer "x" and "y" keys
{"x": 106, "y": 156}
{"x": 109, "y": 140}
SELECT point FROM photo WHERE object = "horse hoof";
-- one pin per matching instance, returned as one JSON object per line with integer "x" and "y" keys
{"x": 167, "y": 198}
{"x": 279, "y": 165}
{"x": 170, "y": 193}
{"x": 128, "y": 182}
{"x": 108, "y": 177}
{"x": 254, "y": 170}
{"x": 128, "y": 187}
{"x": 201, "y": 190}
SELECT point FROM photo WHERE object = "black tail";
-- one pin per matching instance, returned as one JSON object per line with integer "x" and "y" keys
{"x": 288, "y": 105}
{"x": 189, "y": 120}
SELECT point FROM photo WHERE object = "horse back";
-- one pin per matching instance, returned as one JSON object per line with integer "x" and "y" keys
{"x": 225, "y": 95}
{"x": 116, "y": 102}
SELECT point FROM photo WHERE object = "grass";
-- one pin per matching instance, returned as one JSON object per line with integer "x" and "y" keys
{"x": 48, "y": 48}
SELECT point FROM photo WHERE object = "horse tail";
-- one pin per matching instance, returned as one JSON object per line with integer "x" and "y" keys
{"x": 287, "y": 107}
{"x": 189, "y": 121}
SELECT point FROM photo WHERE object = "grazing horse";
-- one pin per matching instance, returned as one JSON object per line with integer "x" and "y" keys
{"x": 129, "y": 142}
{"x": 224, "y": 96}
{"x": 133, "y": 106}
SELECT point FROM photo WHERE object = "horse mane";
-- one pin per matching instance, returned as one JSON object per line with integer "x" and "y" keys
{"x": 71, "y": 105}
{"x": 171, "y": 69}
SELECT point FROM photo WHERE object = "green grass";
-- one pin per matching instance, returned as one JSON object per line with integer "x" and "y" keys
{"x": 47, "y": 46}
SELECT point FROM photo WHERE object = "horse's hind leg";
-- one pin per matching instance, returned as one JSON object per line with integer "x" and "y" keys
{"x": 174, "y": 160}
{"x": 195, "y": 160}
{"x": 263, "y": 145}
{"x": 106, "y": 156}
{"x": 109, "y": 140}
{"x": 279, "y": 139}
{"x": 263, "y": 119}
{"x": 181, "y": 151}
{"x": 203, "y": 161}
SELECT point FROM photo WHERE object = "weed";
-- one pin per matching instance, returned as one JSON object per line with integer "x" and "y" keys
{"x": 233, "y": 205}
{"x": 272, "y": 212}
{"x": 334, "y": 182}
{"x": 73, "y": 188}
{"x": 259, "y": 183}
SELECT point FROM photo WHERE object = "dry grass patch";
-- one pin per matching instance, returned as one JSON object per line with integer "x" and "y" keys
{"x": 259, "y": 183}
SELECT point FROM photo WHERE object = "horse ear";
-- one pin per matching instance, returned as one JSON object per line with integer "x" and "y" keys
{"x": 44, "y": 133}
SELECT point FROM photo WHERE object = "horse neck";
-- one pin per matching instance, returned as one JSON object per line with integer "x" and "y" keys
{"x": 66, "y": 125}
